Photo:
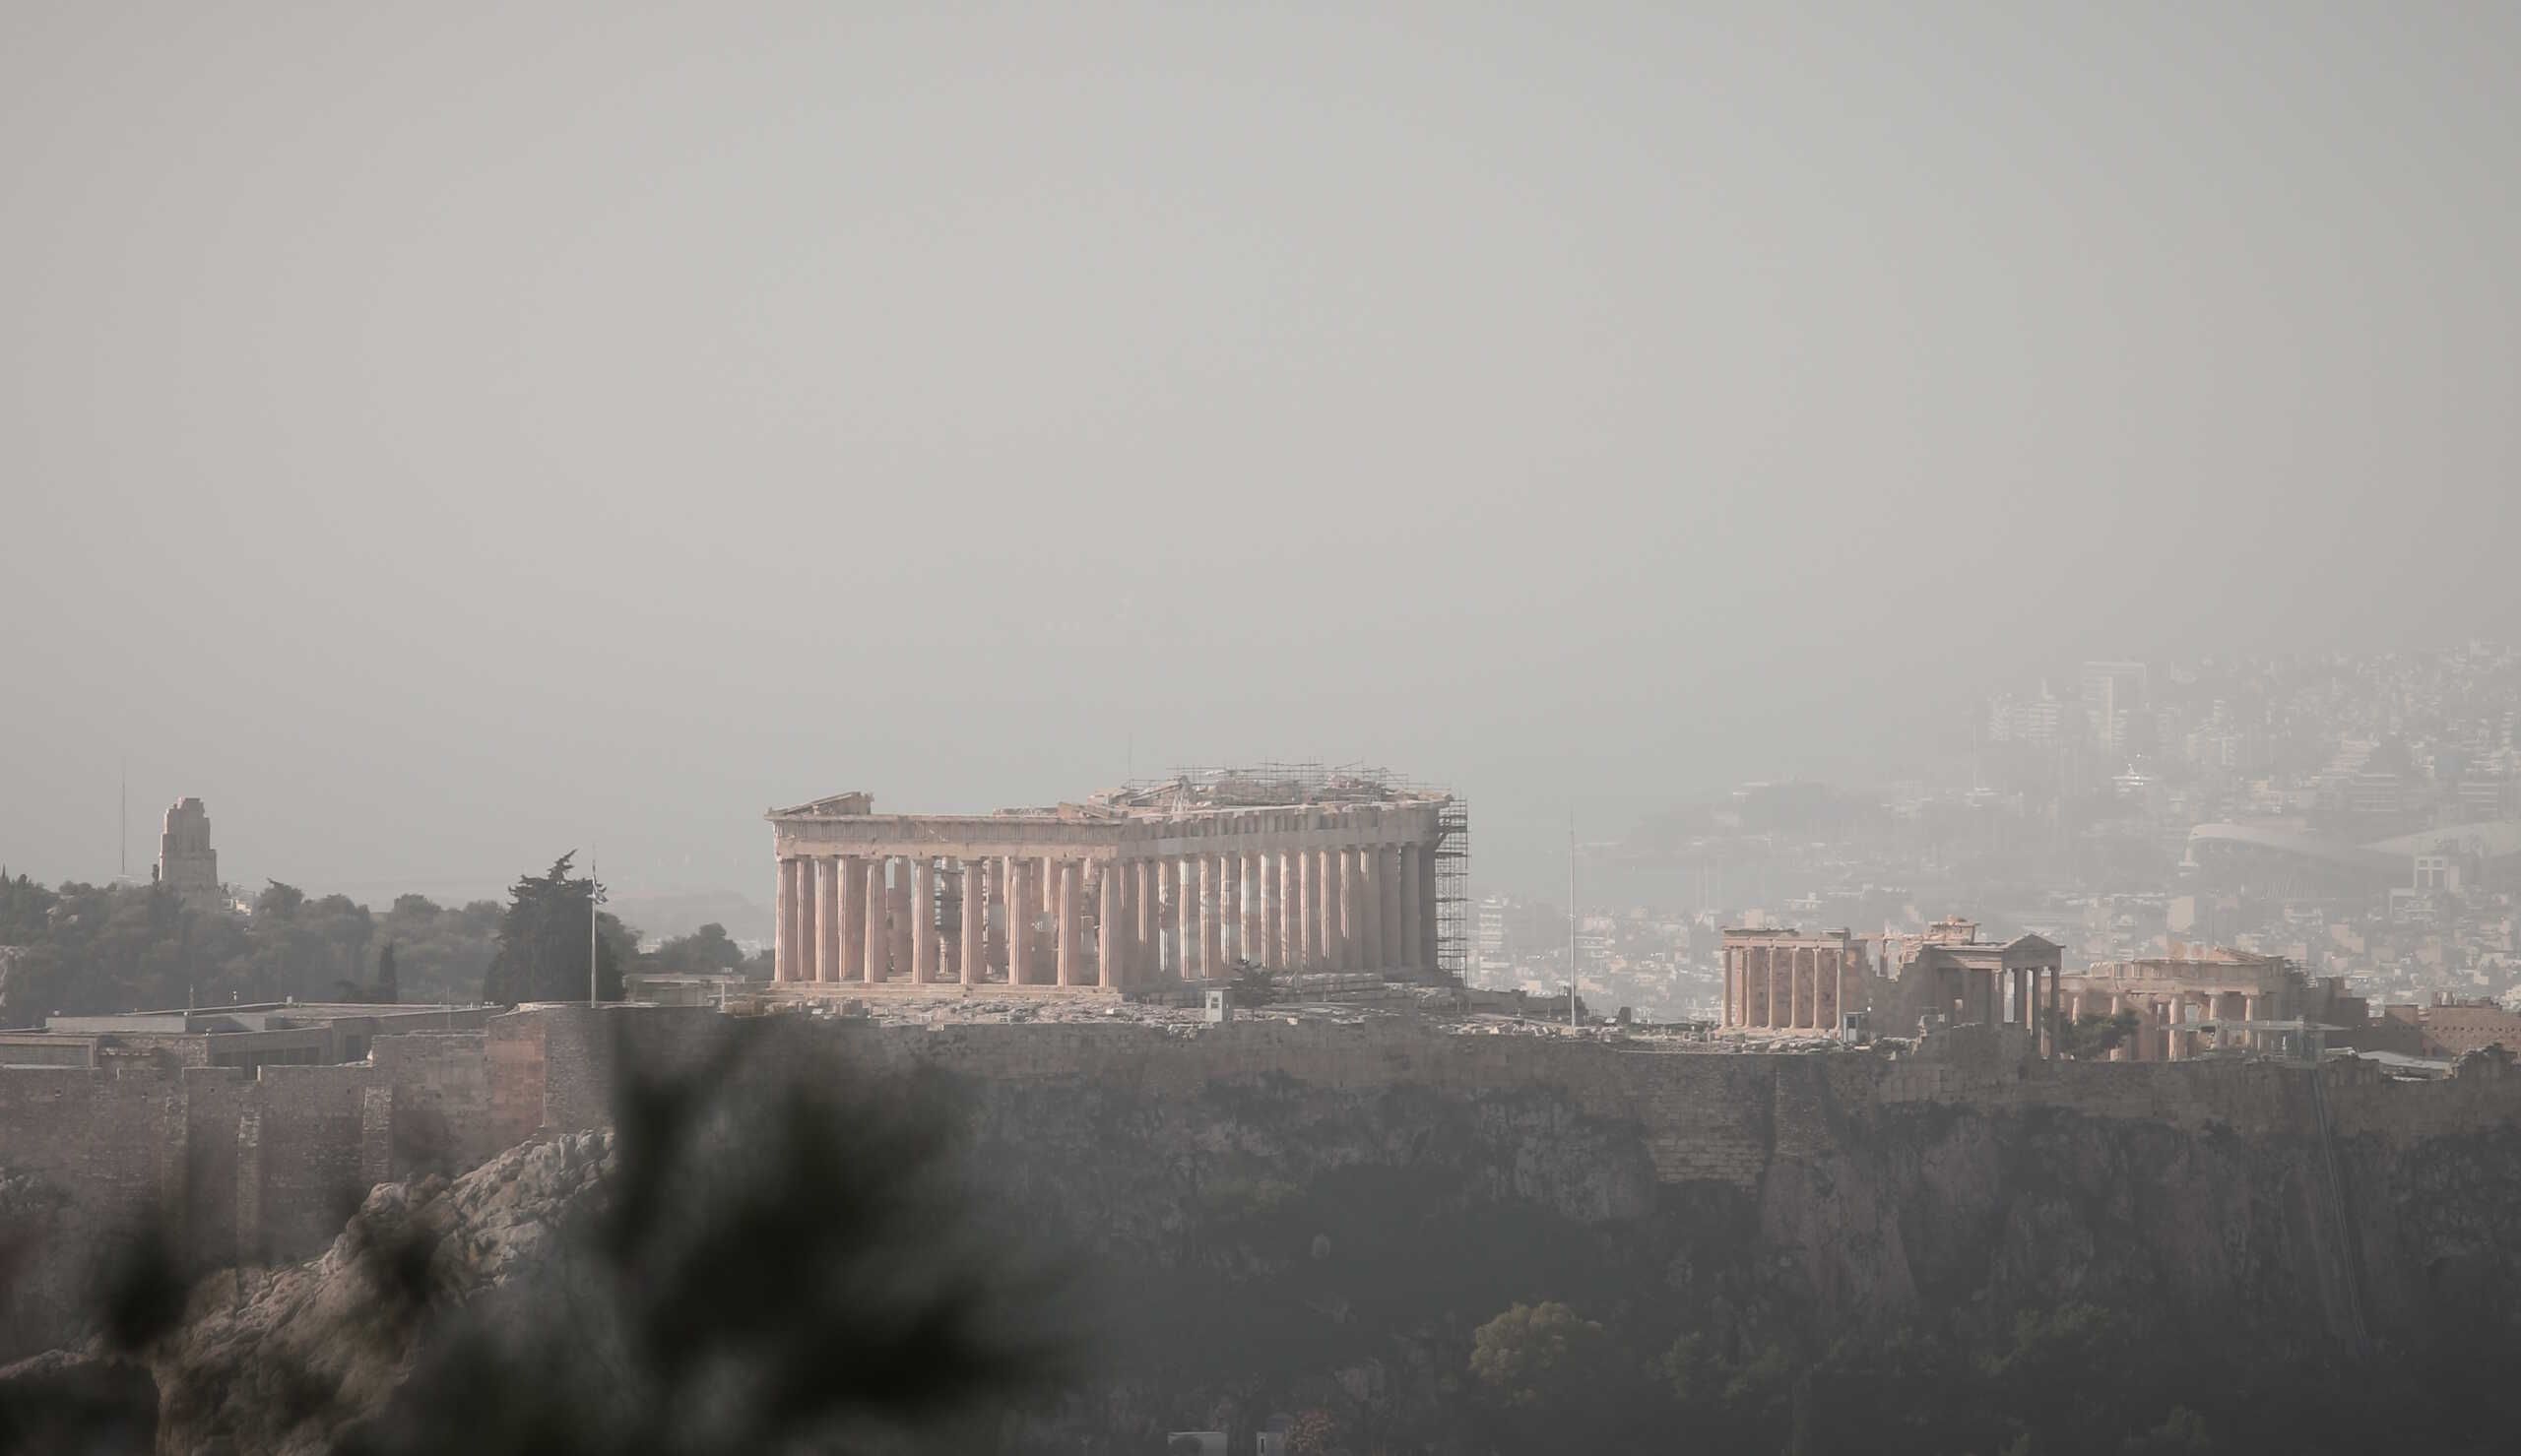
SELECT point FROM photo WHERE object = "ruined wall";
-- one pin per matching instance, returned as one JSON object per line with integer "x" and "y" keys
{"x": 264, "y": 1166}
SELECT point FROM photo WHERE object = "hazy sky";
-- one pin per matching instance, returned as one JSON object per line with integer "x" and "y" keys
{"x": 443, "y": 437}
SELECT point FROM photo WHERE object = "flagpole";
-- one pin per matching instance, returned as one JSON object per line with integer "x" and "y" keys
{"x": 591, "y": 947}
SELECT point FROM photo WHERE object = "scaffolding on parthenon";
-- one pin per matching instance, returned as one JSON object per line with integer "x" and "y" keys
{"x": 1453, "y": 891}
{"x": 1270, "y": 784}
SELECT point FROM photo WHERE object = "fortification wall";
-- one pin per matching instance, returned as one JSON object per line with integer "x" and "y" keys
{"x": 266, "y": 1166}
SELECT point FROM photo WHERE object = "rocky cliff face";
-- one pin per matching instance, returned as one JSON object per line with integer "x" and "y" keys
{"x": 284, "y": 1360}
{"x": 1276, "y": 1246}
{"x": 1264, "y": 1244}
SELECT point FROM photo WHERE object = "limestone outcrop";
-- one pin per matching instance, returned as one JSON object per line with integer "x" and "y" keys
{"x": 282, "y": 1360}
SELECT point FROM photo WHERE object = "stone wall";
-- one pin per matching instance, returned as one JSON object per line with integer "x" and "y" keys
{"x": 264, "y": 1166}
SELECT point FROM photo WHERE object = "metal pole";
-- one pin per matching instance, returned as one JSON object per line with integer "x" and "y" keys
{"x": 591, "y": 946}
{"x": 1570, "y": 917}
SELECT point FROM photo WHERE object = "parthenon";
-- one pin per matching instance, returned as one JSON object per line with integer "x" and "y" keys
{"x": 1186, "y": 879}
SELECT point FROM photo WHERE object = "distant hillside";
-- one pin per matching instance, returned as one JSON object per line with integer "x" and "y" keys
{"x": 661, "y": 915}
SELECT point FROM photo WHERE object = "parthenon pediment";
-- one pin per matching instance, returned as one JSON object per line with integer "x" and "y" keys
{"x": 856, "y": 802}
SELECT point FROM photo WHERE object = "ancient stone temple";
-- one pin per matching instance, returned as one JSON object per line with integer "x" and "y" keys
{"x": 186, "y": 862}
{"x": 1187, "y": 879}
{"x": 2194, "y": 999}
{"x": 1785, "y": 982}
{"x": 1782, "y": 981}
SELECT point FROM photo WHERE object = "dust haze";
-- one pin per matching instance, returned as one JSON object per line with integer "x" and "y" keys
{"x": 445, "y": 437}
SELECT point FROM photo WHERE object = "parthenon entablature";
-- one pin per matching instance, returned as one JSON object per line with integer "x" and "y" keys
{"x": 1187, "y": 879}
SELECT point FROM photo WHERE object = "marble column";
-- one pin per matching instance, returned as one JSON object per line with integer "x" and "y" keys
{"x": 1229, "y": 907}
{"x": 1327, "y": 869}
{"x": 1211, "y": 920}
{"x": 853, "y": 918}
{"x": 1144, "y": 960}
{"x": 1795, "y": 1006}
{"x": 897, "y": 906}
{"x": 975, "y": 921}
{"x": 1394, "y": 931}
{"x": 874, "y": 950}
{"x": 1429, "y": 922}
{"x": 994, "y": 915}
{"x": 1273, "y": 910}
{"x": 1370, "y": 900}
{"x": 826, "y": 918}
{"x": 1255, "y": 915}
{"x": 1106, "y": 927}
{"x": 1185, "y": 917}
{"x": 783, "y": 922}
{"x": 1290, "y": 910}
{"x": 1306, "y": 953}
{"x": 1352, "y": 909}
{"x": 1020, "y": 900}
{"x": 808, "y": 933}
{"x": 923, "y": 919}
{"x": 1070, "y": 905}
{"x": 1413, "y": 912}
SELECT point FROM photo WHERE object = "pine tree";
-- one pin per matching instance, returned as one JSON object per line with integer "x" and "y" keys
{"x": 543, "y": 941}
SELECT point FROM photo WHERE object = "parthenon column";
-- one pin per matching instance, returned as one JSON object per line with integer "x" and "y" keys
{"x": 1352, "y": 910}
{"x": 1290, "y": 874}
{"x": 1019, "y": 920}
{"x": 1413, "y": 912}
{"x": 1394, "y": 923}
{"x": 1431, "y": 919}
{"x": 1230, "y": 909}
{"x": 975, "y": 921}
{"x": 809, "y": 936}
{"x": 1255, "y": 915}
{"x": 1306, "y": 953}
{"x": 1797, "y": 1007}
{"x": 1211, "y": 918}
{"x": 874, "y": 952}
{"x": 1273, "y": 909}
{"x": 923, "y": 921}
{"x": 853, "y": 918}
{"x": 1071, "y": 974}
{"x": 1106, "y": 927}
{"x": 1333, "y": 954}
{"x": 783, "y": 922}
{"x": 1147, "y": 962}
{"x": 994, "y": 915}
{"x": 1185, "y": 917}
{"x": 897, "y": 904}
{"x": 827, "y": 917}
{"x": 1370, "y": 901}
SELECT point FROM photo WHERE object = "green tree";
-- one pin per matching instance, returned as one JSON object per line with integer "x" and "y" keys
{"x": 2094, "y": 1037}
{"x": 1253, "y": 985}
{"x": 707, "y": 949}
{"x": 543, "y": 941}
